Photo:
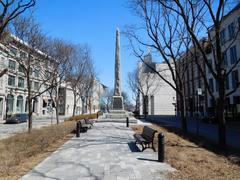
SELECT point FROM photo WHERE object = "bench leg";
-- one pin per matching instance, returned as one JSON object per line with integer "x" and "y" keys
{"x": 143, "y": 148}
{"x": 153, "y": 147}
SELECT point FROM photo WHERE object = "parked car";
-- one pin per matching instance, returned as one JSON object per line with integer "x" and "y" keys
{"x": 17, "y": 118}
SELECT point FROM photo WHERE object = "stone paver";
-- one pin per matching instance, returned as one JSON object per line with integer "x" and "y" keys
{"x": 105, "y": 152}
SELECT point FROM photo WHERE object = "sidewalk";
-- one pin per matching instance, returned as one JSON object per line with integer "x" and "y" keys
{"x": 105, "y": 152}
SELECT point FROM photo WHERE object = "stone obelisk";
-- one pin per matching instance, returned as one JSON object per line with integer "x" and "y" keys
{"x": 117, "y": 95}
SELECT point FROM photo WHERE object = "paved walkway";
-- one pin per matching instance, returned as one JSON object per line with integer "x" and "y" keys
{"x": 105, "y": 152}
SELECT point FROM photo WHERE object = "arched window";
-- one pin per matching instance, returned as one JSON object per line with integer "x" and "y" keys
{"x": 10, "y": 100}
{"x": 20, "y": 104}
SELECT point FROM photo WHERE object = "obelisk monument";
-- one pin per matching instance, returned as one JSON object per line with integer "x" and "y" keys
{"x": 117, "y": 95}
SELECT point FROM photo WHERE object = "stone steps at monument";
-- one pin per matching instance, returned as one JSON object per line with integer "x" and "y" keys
{"x": 116, "y": 116}
{"x": 132, "y": 121}
{"x": 117, "y": 112}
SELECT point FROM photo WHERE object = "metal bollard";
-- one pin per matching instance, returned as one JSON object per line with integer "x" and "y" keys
{"x": 77, "y": 129}
{"x": 161, "y": 147}
{"x": 127, "y": 121}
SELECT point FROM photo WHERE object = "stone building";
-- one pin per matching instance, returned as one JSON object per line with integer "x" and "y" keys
{"x": 158, "y": 98}
{"x": 13, "y": 84}
{"x": 89, "y": 103}
{"x": 203, "y": 105}
{"x": 230, "y": 46}
{"x": 195, "y": 92}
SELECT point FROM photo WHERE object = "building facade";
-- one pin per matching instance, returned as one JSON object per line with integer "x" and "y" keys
{"x": 189, "y": 66}
{"x": 89, "y": 103}
{"x": 230, "y": 47}
{"x": 13, "y": 84}
{"x": 203, "y": 104}
{"x": 157, "y": 97}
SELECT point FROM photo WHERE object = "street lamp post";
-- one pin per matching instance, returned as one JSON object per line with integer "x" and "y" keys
{"x": 199, "y": 93}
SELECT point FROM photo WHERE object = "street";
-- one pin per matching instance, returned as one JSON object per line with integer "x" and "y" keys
{"x": 7, "y": 130}
{"x": 209, "y": 131}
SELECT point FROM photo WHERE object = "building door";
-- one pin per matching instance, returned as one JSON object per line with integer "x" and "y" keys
{"x": 145, "y": 105}
{"x": 20, "y": 104}
{"x": 152, "y": 105}
{"x": 10, "y": 102}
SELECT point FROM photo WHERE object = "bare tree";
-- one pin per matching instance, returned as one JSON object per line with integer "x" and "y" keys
{"x": 167, "y": 37}
{"x": 190, "y": 20}
{"x": 82, "y": 75}
{"x": 126, "y": 101}
{"x": 133, "y": 85}
{"x": 143, "y": 82}
{"x": 107, "y": 99}
{"x": 209, "y": 16}
{"x": 61, "y": 52}
{"x": 9, "y": 10}
{"x": 36, "y": 66}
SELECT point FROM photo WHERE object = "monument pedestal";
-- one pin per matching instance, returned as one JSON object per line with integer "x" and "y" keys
{"x": 117, "y": 111}
{"x": 117, "y": 103}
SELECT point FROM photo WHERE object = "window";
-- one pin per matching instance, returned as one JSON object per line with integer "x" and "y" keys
{"x": 210, "y": 62}
{"x": 36, "y": 86}
{"x": 10, "y": 100}
{"x": 233, "y": 54}
{"x": 21, "y": 82}
{"x": 36, "y": 72}
{"x": 231, "y": 31}
{"x": 47, "y": 74}
{"x": 11, "y": 64}
{"x": 227, "y": 83}
{"x": 20, "y": 68}
{"x": 11, "y": 80}
{"x": 239, "y": 22}
{"x": 222, "y": 36}
{"x": 224, "y": 56}
{"x": 23, "y": 55}
{"x": 13, "y": 50}
{"x": 20, "y": 104}
{"x": 211, "y": 86}
{"x": 235, "y": 79}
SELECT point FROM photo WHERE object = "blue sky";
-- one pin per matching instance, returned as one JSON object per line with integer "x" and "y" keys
{"x": 93, "y": 22}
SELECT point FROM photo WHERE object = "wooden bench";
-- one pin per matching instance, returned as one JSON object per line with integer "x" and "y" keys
{"x": 84, "y": 126}
{"x": 89, "y": 121}
{"x": 145, "y": 138}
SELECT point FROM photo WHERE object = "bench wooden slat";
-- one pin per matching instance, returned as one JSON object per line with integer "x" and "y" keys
{"x": 145, "y": 138}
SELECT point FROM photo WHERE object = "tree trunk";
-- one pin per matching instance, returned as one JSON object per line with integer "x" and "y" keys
{"x": 29, "y": 114}
{"x": 74, "y": 105}
{"x": 183, "y": 113}
{"x": 57, "y": 106}
{"x": 220, "y": 115}
{"x": 57, "y": 110}
{"x": 29, "y": 105}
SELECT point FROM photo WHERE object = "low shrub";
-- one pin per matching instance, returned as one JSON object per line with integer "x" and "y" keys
{"x": 83, "y": 116}
{"x": 21, "y": 146}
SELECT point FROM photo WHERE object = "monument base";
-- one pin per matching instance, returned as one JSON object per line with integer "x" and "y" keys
{"x": 117, "y": 103}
